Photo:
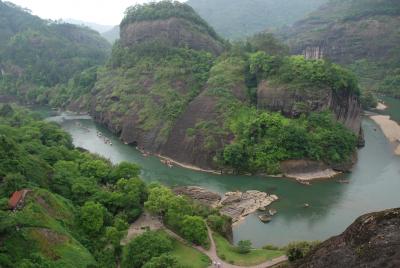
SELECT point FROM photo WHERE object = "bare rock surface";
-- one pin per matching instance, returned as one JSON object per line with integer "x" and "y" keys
{"x": 373, "y": 240}
{"x": 199, "y": 194}
{"x": 236, "y": 205}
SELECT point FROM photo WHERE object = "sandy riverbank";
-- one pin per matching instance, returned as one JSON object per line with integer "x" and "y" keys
{"x": 191, "y": 167}
{"x": 381, "y": 106}
{"x": 312, "y": 176}
{"x": 390, "y": 128}
{"x": 301, "y": 177}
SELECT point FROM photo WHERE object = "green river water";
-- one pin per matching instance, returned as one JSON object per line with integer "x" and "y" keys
{"x": 374, "y": 185}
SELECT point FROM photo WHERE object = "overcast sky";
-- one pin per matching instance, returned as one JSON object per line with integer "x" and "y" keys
{"x": 108, "y": 12}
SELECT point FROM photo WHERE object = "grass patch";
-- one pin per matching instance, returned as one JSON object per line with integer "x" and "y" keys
{"x": 229, "y": 253}
{"x": 188, "y": 256}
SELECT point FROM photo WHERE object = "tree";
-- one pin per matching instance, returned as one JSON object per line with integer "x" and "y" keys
{"x": 178, "y": 207}
{"x": 92, "y": 217}
{"x": 97, "y": 169}
{"x": 129, "y": 195}
{"x": 159, "y": 199}
{"x": 125, "y": 170}
{"x": 194, "y": 229}
{"x": 64, "y": 174}
{"x": 13, "y": 182}
{"x": 163, "y": 261}
{"x": 244, "y": 246}
{"x": 144, "y": 247}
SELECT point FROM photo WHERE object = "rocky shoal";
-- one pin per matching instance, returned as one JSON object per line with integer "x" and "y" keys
{"x": 236, "y": 205}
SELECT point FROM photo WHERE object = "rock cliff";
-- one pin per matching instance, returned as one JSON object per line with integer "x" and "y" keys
{"x": 362, "y": 34}
{"x": 175, "y": 32}
{"x": 293, "y": 101}
{"x": 236, "y": 205}
{"x": 373, "y": 240}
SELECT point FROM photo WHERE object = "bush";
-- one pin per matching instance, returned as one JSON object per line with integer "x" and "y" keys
{"x": 194, "y": 229}
{"x": 244, "y": 246}
{"x": 145, "y": 247}
{"x": 297, "y": 250}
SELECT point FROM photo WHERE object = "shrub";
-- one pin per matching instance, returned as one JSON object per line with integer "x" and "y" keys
{"x": 297, "y": 250}
{"x": 244, "y": 246}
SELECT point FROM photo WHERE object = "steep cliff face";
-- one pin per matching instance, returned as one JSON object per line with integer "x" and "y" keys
{"x": 373, "y": 240}
{"x": 201, "y": 130}
{"x": 345, "y": 41}
{"x": 293, "y": 101}
{"x": 152, "y": 91}
{"x": 175, "y": 32}
{"x": 362, "y": 34}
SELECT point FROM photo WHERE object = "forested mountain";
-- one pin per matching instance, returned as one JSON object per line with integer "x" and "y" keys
{"x": 362, "y": 34}
{"x": 36, "y": 53}
{"x": 238, "y": 18}
{"x": 174, "y": 87}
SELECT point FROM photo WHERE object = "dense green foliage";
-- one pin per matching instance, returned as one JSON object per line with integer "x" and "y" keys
{"x": 164, "y": 10}
{"x": 296, "y": 69}
{"x": 264, "y": 139}
{"x": 179, "y": 214}
{"x": 94, "y": 203}
{"x": 391, "y": 84}
{"x": 36, "y": 54}
{"x": 80, "y": 205}
{"x": 235, "y": 19}
{"x": 144, "y": 247}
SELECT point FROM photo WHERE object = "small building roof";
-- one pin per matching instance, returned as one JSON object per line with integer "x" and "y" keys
{"x": 15, "y": 199}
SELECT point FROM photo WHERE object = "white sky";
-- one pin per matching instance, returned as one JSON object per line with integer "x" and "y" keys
{"x": 107, "y": 12}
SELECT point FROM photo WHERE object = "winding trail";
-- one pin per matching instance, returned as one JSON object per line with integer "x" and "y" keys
{"x": 212, "y": 253}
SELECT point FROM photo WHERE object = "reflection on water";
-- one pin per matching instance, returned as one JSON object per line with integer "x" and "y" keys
{"x": 374, "y": 185}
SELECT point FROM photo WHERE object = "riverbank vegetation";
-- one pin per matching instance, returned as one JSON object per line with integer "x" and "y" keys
{"x": 232, "y": 254}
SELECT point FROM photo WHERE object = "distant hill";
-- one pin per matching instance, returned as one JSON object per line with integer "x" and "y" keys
{"x": 233, "y": 19}
{"x": 362, "y": 34}
{"x": 95, "y": 26}
{"x": 40, "y": 53}
{"x": 112, "y": 34}
{"x": 237, "y": 18}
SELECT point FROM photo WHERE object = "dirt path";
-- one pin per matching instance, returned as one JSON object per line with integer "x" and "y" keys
{"x": 212, "y": 254}
{"x": 150, "y": 222}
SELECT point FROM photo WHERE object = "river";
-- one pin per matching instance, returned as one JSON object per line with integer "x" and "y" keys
{"x": 374, "y": 185}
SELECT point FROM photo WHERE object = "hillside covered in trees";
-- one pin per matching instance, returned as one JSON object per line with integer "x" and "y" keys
{"x": 361, "y": 34}
{"x": 36, "y": 54}
{"x": 174, "y": 87}
{"x": 235, "y": 19}
{"x": 76, "y": 206}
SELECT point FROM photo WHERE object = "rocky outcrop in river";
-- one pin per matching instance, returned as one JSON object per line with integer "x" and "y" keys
{"x": 373, "y": 240}
{"x": 237, "y": 205}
